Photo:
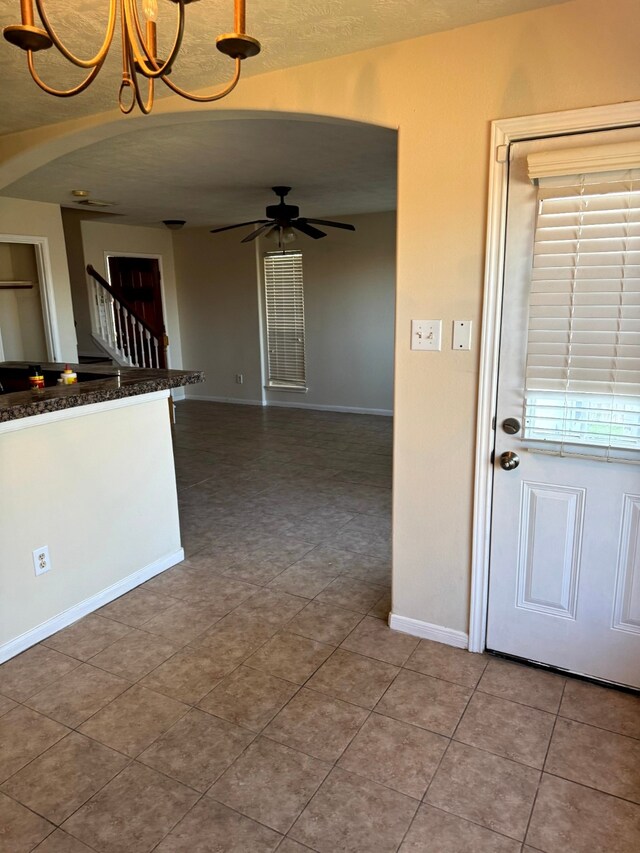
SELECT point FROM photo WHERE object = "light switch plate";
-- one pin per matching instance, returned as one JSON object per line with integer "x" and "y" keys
{"x": 461, "y": 338}
{"x": 426, "y": 334}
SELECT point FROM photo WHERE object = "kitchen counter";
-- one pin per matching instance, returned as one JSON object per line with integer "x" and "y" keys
{"x": 118, "y": 382}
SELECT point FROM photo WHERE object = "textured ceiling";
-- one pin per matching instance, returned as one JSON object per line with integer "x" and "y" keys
{"x": 292, "y": 32}
{"x": 215, "y": 172}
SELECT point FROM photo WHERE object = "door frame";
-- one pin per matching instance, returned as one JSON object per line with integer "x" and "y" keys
{"x": 47, "y": 294}
{"x": 503, "y": 133}
{"x": 111, "y": 254}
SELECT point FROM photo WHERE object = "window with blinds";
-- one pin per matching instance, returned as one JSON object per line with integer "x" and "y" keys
{"x": 284, "y": 311}
{"x": 582, "y": 383}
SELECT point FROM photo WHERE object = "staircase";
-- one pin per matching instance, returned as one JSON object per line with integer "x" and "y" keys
{"x": 119, "y": 330}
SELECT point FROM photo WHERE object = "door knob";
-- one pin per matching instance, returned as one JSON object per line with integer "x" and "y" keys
{"x": 509, "y": 460}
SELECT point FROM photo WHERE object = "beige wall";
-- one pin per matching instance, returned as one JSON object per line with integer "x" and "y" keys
{"x": 349, "y": 295}
{"x": 441, "y": 91}
{"x": 37, "y": 219}
{"x": 99, "y": 490}
{"x": 219, "y": 312}
{"x": 101, "y": 237}
{"x": 72, "y": 224}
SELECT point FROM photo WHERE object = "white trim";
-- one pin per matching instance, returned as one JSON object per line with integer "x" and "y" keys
{"x": 427, "y": 631}
{"x": 209, "y": 399}
{"x": 320, "y": 408}
{"x": 79, "y": 411}
{"x": 68, "y": 617}
{"x": 503, "y": 133}
{"x": 47, "y": 295}
{"x": 286, "y": 405}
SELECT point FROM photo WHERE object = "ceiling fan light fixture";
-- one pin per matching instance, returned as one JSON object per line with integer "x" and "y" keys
{"x": 139, "y": 50}
{"x": 281, "y": 235}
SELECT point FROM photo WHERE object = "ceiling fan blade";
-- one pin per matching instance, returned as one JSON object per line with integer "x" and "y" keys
{"x": 309, "y": 230}
{"x": 239, "y": 225}
{"x": 344, "y": 225}
{"x": 269, "y": 224}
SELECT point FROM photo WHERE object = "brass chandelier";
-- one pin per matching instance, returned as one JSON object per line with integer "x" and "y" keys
{"x": 139, "y": 50}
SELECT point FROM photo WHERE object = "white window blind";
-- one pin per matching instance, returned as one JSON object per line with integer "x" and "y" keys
{"x": 582, "y": 383}
{"x": 284, "y": 300}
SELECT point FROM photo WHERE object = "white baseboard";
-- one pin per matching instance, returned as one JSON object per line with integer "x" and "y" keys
{"x": 206, "y": 399}
{"x": 428, "y": 631}
{"x": 356, "y": 410}
{"x": 67, "y": 617}
{"x": 178, "y": 394}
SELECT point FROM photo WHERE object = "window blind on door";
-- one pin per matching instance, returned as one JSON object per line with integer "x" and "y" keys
{"x": 582, "y": 383}
{"x": 284, "y": 309}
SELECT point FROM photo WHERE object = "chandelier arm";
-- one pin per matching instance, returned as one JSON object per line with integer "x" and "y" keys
{"x": 100, "y": 56}
{"x": 62, "y": 93}
{"x": 126, "y": 84}
{"x": 147, "y": 63}
{"x": 208, "y": 98}
{"x": 144, "y": 107}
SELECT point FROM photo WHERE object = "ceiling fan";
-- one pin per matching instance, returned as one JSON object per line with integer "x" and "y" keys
{"x": 282, "y": 219}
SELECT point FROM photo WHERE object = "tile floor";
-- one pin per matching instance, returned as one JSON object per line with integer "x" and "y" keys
{"x": 253, "y": 699}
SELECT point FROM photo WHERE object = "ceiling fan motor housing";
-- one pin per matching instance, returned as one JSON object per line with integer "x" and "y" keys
{"x": 283, "y": 211}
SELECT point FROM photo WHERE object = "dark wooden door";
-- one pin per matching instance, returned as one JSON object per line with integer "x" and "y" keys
{"x": 137, "y": 282}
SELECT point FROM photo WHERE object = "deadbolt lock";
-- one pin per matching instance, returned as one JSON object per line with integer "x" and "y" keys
{"x": 511, "y": 426}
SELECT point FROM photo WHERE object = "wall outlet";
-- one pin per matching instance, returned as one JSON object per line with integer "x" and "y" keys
{"x": 41, "y": 560}
{"x": 239, "y": 378}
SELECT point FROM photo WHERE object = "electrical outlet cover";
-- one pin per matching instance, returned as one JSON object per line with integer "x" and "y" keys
{"x": 41, "y": 560}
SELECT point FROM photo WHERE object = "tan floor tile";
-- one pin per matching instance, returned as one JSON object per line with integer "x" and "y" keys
{"x": 136, "y": 607}
{"x": 570, "y": 817}
{"x": 601, "y": 706}
{"x": 6, "y": 704}
{"x": 375, "y": 639}
{"x": 87, "y": 637}
{"x": 270, "y": 783}
{"x": 134, "y": 655}
{"x": 354, "y": 678}
{"x": 132, "y": 813}
{"x": 596, "y": 758}
{"x": 277, "y": 608}
{"x": 24, "y": 734}
{"x": 179, "y": 582}
{"x": 448, "y": 663}
{"x": 325, "y": 624}
{"x": 354, "y": 814}
{"x": 32, "y": 670}
{"x": 316, "y": 724}
{"x": 210, "y": 826}
{"x": 485, "y": 789}
{"x": 235, "y": 637}
{"x": 506, "y": 728}
{"x": 290, "y": 656}
{"x": 351, "y": 594}
{"x": 197, "y": 749}
{"x": 76, "y": 696}
{"x": 434, "y": 831}
{"x": 523, "y": 684}
{"x": 220, "y": 593}
{"x": 182, "y": 622}
{"x": 61, "y": 842}
{"x": 134, "y": 720}
{"x": 291, "y": 846}
{"x": 304, "y": 581}
{"x": 397, "y": 755}
{"x": 382, "y": 608}
{"x": 424, "y": 701}
{"x": 64, "y": 777}
{"x": 257, "y": 570}
{"x": 188, "y": 675}
{"x": 248, "y": 697}
{"x": 20, "y": 829}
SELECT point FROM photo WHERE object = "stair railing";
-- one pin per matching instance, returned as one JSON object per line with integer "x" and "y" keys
{"x": 120, "y": 330}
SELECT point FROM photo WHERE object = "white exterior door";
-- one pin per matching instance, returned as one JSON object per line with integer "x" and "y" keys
{"x": 564, "y": 584}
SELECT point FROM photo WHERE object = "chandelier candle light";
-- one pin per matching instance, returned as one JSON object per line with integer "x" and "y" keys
{"x": 139, "y": 50}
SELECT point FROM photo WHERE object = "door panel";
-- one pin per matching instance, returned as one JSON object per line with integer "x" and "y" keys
{"x": 564, "y": 585}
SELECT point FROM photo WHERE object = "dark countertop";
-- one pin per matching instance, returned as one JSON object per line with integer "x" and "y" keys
{"x": 118, "y": 382}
